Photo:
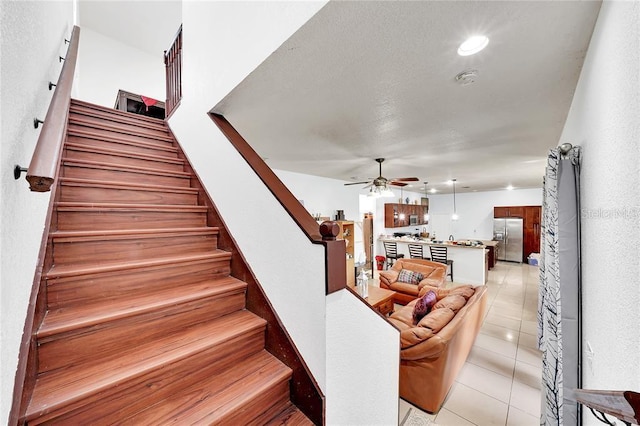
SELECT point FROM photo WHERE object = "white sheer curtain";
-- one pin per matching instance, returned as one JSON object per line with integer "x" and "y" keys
{"x": 559, "y": 332}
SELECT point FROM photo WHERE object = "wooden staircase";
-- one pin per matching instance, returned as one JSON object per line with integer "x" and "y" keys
{"x": 143, "y": 323}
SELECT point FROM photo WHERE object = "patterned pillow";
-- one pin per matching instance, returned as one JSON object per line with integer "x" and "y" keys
{"x": 407, "y": 276}
{"x": 423, "y": 306}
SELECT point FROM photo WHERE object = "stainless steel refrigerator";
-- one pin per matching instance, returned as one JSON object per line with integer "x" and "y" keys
{"x": 508, "y": 231}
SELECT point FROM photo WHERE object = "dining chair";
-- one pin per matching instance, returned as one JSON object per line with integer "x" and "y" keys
{"x": 439, "y": 254}
{"x": 416, "y": 251}
{"x": 391, "y": 253}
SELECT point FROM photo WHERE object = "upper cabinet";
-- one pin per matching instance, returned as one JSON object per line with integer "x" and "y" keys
{"x": 398, "y": 215}
{"x": 511, "y": 211}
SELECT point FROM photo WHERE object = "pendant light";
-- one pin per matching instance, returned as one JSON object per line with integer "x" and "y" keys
{"x": 454, "y": 216}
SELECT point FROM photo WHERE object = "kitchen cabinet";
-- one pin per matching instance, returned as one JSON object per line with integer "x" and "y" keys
{"x": 399, "y": 215}
{"x": 347, "y": 230}
{"x": 515, "y": 211}
{"x": 531, "y": 218}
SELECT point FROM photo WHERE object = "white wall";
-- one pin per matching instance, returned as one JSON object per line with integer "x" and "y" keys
{"x": 106, "y": 65}
{"x": 32, "y": 38}
{"x": 475, "y": 211}
{"x": 605, "y": 120}
{"x": 246, "y": 33}
{"x": 357, "y": 365}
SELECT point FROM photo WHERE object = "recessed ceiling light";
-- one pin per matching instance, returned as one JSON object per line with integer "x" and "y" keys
{"x": 433, "y": 190}
{"x": 510, "y": 187}
{"x": 473, "y": 45}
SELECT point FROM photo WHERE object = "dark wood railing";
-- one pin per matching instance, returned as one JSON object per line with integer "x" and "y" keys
{"x": 44, "y": 163}
{"x": 173, "y": 72}
{"x": 335, "y": 265}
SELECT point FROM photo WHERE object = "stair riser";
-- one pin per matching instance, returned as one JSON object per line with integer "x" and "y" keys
{"x": 96, "y": 110}
{"x": 125, "y": 125}
{"x": 123, "y": 146}
{"x": 116, "y": 403}
{"x": 120, "y": 336}
{"x": 123, "y": 160}
{"x": 126, "y": 284}
{"x": 77, "y": 251}
{"x": 90, "y": 194}
{"x": 88, "y": 220}
{"x": 130, "y": 176}
{"x": 145, "y": 137}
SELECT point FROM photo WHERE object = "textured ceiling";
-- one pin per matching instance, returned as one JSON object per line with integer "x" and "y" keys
{"x": 363, "y": 80}
{"x": 145, "y": 24}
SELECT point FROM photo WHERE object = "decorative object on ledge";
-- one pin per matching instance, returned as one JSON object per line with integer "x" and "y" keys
{"x": 624, "y": 405}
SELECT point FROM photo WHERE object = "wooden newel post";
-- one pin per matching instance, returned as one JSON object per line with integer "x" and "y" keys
{"x": 329, "y": 230}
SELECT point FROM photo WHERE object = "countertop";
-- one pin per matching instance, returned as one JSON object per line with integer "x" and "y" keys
{"x": 431, "y": 243}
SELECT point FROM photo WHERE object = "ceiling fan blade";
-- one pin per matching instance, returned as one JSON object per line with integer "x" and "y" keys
{"x": 395, "y": 183}
{"x": 407, "y": 179}
{"x": 357, "y": 183}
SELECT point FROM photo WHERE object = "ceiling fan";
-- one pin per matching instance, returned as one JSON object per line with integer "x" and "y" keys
{"x": 380, "y": 183}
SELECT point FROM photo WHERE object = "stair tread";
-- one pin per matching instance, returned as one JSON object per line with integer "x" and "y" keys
{"x": 60, "y": 271}
{"x": 120, "y": 153}
{"x": 84, "y": 104}
{"x": 62, "y": 387}
{"x": 117, "y": 115}
{"x": 291, "y": 416}
{"x": 127, "y": 185}
{"x": 120, "y": 139}
{"x": 113, "y": 166}
{"x": 67, "y": 205}
{"x": 209, "y": 400}
{"x": 87, "y": 315}
{"x": 59, "y": 236}
{"x": 80, "y": 121}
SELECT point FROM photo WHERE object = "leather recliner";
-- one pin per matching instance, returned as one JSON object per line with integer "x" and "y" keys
{"x": 434, "y": 275}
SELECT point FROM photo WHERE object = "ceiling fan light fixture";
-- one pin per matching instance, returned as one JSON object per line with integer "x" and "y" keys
{"x": 473, "y": 45}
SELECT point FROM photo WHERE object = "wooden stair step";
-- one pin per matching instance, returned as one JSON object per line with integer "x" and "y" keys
{"x": 120, "y": 143}
{"x": 63, "y": 320}
{"x": 83, "y": 247}
{"x": 71, "y": 336}
{"x": 83, "y": 105}
{"x": 76, "y": 121}
{"x": 113, "y": 115}
{"x": 81, "y": 152}
{"x": 81, "y": 286}
{"x": 114, "y": 172}
{"x": 88, "y": 190}
{"x": 106, "y": 216}
{"x": 117, "y": 383}
{"x": 63, "y": 271}
{"x": 251, "y": 390}
{"x": 107, "y": 122}
{"x": 290, "y": 416}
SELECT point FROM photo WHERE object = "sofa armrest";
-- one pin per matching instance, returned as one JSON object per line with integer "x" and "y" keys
{"x": 389, "y": 277}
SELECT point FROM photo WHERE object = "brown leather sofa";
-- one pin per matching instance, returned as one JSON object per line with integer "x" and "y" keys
{"x": 434, "y": 275}
{"x": 433, "y": 351}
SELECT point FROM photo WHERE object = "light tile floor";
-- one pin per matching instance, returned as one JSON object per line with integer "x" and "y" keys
{"x": 500, "y": 382}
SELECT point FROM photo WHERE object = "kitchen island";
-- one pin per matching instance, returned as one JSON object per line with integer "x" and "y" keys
{"x": 469, "y": 262}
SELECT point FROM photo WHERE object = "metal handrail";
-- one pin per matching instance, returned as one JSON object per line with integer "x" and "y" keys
{"x": 44, "y": 162}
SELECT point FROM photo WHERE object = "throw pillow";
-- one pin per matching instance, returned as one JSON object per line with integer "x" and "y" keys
{"x": 423, "y": 306}
{"x": 407, "y": 276}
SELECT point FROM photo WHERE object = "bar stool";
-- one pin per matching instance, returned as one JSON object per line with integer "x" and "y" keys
{"x": 439, "y": 254}
{"x": 416, "y": 251}
{"x": 391, "y": 252}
